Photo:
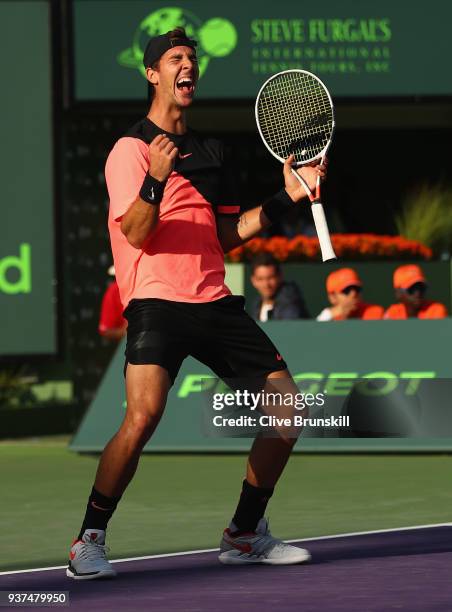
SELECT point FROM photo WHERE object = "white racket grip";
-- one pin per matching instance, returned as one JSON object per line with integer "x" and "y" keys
{"x": 323, "y": 234}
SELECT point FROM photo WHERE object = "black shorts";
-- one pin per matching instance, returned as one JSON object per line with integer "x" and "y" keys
{"x": 220, "y": 334}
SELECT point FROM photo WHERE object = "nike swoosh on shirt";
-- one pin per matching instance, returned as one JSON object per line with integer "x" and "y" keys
{"x": 185, "y": 155}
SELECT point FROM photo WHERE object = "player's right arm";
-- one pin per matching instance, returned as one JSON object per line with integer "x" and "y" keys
{"x": 128, "y": 173}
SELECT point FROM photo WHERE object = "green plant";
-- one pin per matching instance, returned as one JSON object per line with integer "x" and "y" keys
{"x": 15, "y": 388}
{"x": 426, "y": 216}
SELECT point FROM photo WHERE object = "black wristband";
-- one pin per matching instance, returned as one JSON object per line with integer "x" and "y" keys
{"x": 152, "y": 190}
{"x": 277, "y": 206}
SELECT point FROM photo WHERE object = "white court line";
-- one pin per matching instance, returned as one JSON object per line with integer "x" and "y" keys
{"x": 208, "y": 550}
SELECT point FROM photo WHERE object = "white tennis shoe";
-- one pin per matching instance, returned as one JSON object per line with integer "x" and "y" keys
{"x": 88, "y": 559}
{"x": 258, "y": 547}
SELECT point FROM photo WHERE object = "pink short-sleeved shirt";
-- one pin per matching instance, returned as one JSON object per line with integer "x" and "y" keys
{"x": 182, "y": 259}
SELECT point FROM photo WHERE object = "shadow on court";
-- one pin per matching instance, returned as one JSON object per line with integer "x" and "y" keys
{"x": 406, "y": 570}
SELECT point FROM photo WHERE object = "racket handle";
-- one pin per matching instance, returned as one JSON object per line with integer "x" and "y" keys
{"x": 322, "y": 232}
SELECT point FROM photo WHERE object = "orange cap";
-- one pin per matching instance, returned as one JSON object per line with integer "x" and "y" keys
{"x": 340, "y": 279}
{"x": 405, "y": 276}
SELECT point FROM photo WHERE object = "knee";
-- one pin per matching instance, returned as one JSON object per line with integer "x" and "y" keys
{"x": 140, "y": 425}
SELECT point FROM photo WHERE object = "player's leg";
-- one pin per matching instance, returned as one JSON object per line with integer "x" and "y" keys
{"x": 147, "y": 388}
{"x": 269, "y": 455}
{"x": 248, "y": 539}
{"x": 154, "y": 353}
{"x": 239, "y": 348}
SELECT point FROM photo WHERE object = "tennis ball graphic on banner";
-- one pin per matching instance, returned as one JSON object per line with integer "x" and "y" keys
{"x": 217, "y": 37}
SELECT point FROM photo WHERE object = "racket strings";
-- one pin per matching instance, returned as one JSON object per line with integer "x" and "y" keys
{"x": 297, "y": 94}
{"x": 308, "y": 123}
{"x": 295, "y": 116}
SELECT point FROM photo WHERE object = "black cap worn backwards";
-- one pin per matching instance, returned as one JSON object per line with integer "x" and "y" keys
{"x": 158, "y": 45}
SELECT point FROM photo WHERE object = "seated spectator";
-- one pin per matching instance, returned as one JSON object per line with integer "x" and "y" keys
{"x": 278, "y": 299}
{"x": 410, "y": 287}
{"x": 112, "y": 324}
{"x": 344, "y": 288}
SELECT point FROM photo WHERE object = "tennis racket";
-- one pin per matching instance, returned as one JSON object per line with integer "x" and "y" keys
{"x": 294, "y": 115}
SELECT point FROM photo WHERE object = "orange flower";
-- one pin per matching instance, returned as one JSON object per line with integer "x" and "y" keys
{"x": 347, "y": 246}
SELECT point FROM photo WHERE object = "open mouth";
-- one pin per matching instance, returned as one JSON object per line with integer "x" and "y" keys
{"x": 185, "y": 85}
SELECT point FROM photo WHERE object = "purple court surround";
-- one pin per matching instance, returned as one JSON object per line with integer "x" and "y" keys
{"x": 393, "y": 570}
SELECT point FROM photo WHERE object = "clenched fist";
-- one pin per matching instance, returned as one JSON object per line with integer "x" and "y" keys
{"x": 162, "y": 156}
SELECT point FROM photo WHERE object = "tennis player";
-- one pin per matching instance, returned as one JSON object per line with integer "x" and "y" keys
{"x": 171, "y": 219}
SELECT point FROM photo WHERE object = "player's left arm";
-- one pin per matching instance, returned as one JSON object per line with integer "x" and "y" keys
{"x": 235, "y": 231}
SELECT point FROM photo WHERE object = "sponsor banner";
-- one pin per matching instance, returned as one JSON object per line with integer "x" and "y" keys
{"x": 393, "y": 379}
{"x": 357, "y": 48}
{"x": 27, "y": 275}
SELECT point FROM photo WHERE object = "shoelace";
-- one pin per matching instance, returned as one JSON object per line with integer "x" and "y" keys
{"x": 92, "y": 551}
